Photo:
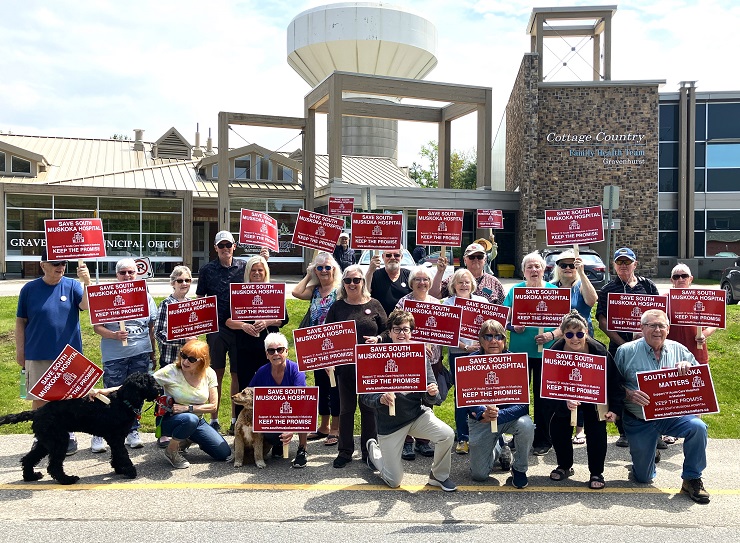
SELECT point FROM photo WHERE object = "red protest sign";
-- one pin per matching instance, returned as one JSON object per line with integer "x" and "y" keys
{"x": 491, "y": 379}
{"x": 325, "y": 345}
{"x": 285, "y": 409}
{"x": 70, "y": 239}
{"x": 542, "y": 307}
{"x": 623, "y": 311}
{"x": 316, "y": 231}
{"x": 191, "y": 318}
{"x": 573, "y": 376}
{"x": 577, "y": 225}
{"x": 672, "y": 395}
{"x": 376, "y": 231}
{"x": 259, "y": 229}
{"x": 341, "y": 206}
{"x": 435, "y": 323}
{"x": 490, "y": 218}
{"x": 391, "y": 367}
{"x": 71, "y": 375}
{"x": 697, "y": 307}
{"x": 476, "y": 313}
{"x": 257, "y": 301}
{"x": 439, "y": 227}
{"x": 113, "y": 302}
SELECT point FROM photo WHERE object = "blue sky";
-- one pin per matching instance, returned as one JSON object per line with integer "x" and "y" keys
{"x": 95, "y": 68}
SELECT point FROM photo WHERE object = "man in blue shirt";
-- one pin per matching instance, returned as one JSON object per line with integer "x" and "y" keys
{"x": 652, "y": 352}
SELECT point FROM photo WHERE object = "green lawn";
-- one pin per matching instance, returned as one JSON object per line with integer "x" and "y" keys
{"x": 724, "y": 351}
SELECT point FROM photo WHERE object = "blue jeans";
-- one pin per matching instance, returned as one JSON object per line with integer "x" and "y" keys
{"x": 644, "y": 435}
{"x": 461, "y": 413}
{"x": 485, "y": 446}
{"x": 192, "y": 427}
{"x": 115, "y": 371}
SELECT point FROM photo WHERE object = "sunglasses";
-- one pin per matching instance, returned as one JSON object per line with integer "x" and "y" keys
{"x": 181, "y": 281}
{"x": 225, "y": 245}
{"x": 567, "y": 266}
{"x": 279, "y": 350}
{"x": 323, "y": 268}
{"x": 190, "y": 359}
{"x": 491, "y": 337}
{"x": 579, "y": 335}
{"x": 680, "y": 276}
{"x": 127, "y": 272}
{"x": 350, "y": 280}
{"x": 476, "y": 257}
{"x": 57, "y": 264}
{"x": 393, "y": 255}
{"x": 623, "y": 262}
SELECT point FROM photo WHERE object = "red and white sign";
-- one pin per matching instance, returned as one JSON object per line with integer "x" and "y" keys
{"x": 113, "y": 302}
{"x": 317, "y": 231}
{"x": 376, "y": 231}
{"x": 143, "y": 268}
{"x": 624, "y": 311}
{"x": 325, "y": 345}
{"x": 572, "y": 226}
{"x": 697, "y": 307}
{"x": 71, "y": 375}
{"x": 439, "y": 227}
{"x": 74, "y": 239}
{"x": 391, "y": 367}
{"x": 341, "y": 206}
{"x": 673, "y": 395}
{"x": 435, "y": 323}
{"x": 541, "y": 307}
{"x": 286, "y": 409}
{"x": 258, "y": 229}
{"x": 491, "y": 379}
{"x": 476, "y": 313}
{"x": 490, "y": 218}
{"x": 573, "y": 376}
{"x": 257, "y": 301}
{"x": 191, "y": 318}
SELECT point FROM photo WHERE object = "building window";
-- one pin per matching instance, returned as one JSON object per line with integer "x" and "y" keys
{"x": 668, "y": 180}
{"x": 2, "y": 162}
{"x": 284, "y": 174}
{"x": 214, "y": 171}
{"x": 243, "y": 167}
{"x": 20, "y": 165}
{"x": 723, "y": 121}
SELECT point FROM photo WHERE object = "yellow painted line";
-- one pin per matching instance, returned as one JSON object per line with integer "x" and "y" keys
{"x": 324, "y": 487}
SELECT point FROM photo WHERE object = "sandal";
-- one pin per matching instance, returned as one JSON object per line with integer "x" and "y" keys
{"x": 315, "y": 436}
{"x": 669, "y": 440}
{"x": 596, "y": 482}
{"x": 579, "y": 438}
{"x": 559, "y": 474}
{"x": 331, "y": 440}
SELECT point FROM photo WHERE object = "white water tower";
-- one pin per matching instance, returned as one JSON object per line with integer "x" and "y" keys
{"x": 367, "y": 38}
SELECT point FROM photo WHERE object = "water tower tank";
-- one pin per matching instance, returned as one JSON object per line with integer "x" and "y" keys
{"x": 368, "y": 38}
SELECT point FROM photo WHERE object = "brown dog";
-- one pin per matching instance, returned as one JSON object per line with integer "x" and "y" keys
{"x": 245, "y": 439}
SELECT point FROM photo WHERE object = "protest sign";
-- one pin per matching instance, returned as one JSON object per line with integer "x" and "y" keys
{"x": 476, "y": 313}
{"x": 623, "y": 311}
{"x": 491, "y": 379}
{"x": 673, "y": 395}
{"x": 317, "y": 231}
{"x": 122, "y": 301}
{"x": 258, "y": 229}
{"x": 541, "y": 307}
{"x": 341, "y": 206}
{"x": 285, "y": 409}
{"x": 435, "y": 323}
{"x": 71, "y": 375}
{"x": 325, "y": 345}
{"x": 568, "y": 375}
{"x": 74, "y": 239}
{"x": 376, "y": 231}
{"x": 439, "y": 227}
{"x": 697, "y": 307}
{"x": 257, "y": 301}
{"x": 574, "y": 226}
{"x": 191, "y": 318}
{"x": 391, "y": 367}
{"x": 490, "y": 218}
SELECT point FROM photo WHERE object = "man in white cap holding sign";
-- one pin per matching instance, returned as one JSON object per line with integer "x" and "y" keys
{"x": 475, "y": 260}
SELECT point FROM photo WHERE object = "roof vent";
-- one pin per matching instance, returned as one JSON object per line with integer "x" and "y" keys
{"x": 173, "y": 145}
{"x": 138, "y": 141}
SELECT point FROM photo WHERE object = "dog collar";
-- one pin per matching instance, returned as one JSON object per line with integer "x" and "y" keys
{"x": 137, "y": 412}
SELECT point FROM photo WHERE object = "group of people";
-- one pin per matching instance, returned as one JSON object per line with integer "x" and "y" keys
{"x": 191, "y": 371}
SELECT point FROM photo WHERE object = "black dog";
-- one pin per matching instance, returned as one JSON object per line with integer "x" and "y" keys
{"x": 53, "y": 421}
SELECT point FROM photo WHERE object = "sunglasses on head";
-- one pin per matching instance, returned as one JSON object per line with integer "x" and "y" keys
{"x": 355, "y": 280}
{"x": 477, "y": 257}
{"x": 678, "y": 276}
{"x": 567, "y": 265}
{"x": 181, "y": 281}
{"x": 278, "y": 350}
{"x": 491, "y": 337}
{"x": 579, "y": 335}
{"x": 393, "y": 255}
{"x": 225, "y": 245}
{"x": 323, "y": 268}
{"x": 59, "y": 263}
{"x": 190, "y": 359}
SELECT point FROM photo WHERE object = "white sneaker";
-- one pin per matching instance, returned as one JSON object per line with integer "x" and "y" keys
{"x": 133, "y": 440}
{"x": 98, "y": 445}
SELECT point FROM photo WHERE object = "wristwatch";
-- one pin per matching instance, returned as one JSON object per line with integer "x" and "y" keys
{"x": 190, "y": 409}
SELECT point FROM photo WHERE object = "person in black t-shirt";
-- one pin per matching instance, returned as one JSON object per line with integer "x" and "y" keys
{"x": 389, "y": 283}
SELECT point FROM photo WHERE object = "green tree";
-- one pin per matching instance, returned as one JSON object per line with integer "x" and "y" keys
{"x": 426, "y": 176}
{"x": 463, "y": 169}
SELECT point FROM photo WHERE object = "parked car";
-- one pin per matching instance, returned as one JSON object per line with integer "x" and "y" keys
{"x": 592, "y": 263}
{"x": 433, "y": 257}
{"x": 730, "y": 282}
{"x": 726, "y": 254}
{"x": 407, "y": 262}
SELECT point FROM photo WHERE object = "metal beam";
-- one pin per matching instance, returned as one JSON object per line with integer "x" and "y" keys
{"x": 360, "y": 108}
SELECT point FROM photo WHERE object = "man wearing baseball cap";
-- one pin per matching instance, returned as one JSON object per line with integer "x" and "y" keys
{"x": 625, "y": 281}
{"x": 475, "y": 260}
{"x": 342, "y": 253}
